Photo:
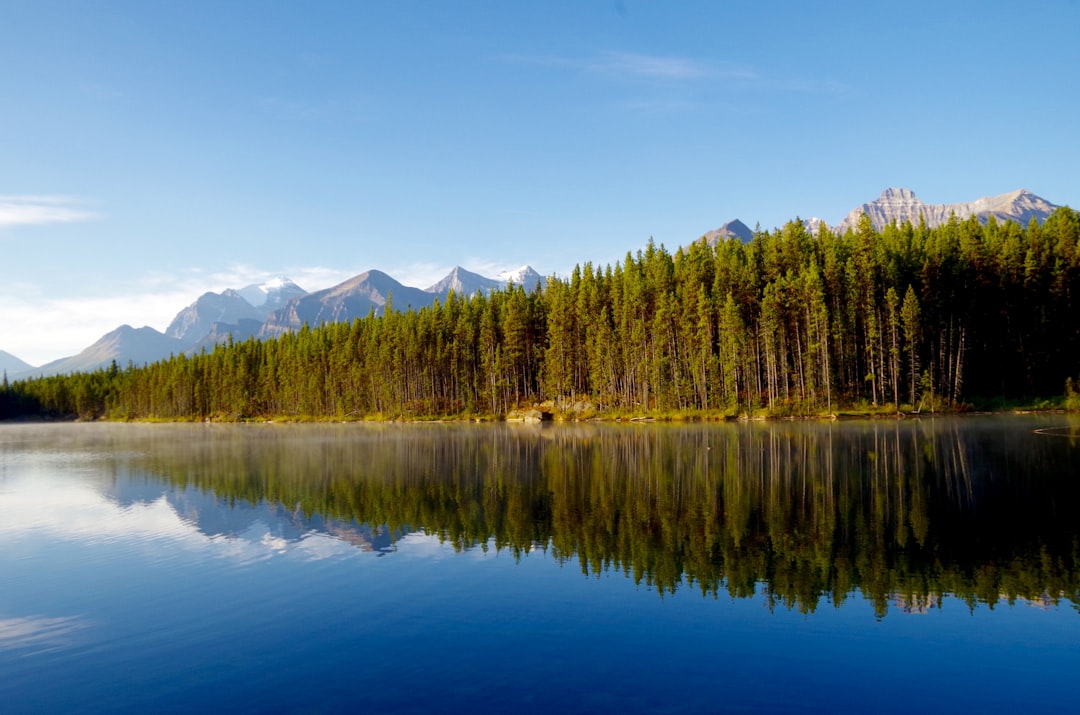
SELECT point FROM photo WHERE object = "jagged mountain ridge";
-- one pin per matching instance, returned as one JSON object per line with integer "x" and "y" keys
{"x": 354, "y": 298}
{"x": 465, "y": 282}
{"x": 198, "y": 319}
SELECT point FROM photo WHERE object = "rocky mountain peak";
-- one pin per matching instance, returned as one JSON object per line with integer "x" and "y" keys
{"x": 731, "y": 229}
{"x": 900, "y": 205}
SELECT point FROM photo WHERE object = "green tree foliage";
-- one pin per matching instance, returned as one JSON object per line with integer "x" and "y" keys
{"x": 794, "y": 322}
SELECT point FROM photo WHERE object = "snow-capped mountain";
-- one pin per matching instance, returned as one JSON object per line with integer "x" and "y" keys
{"x": 525, "y": 277}
{"x": 272, "y": 294}
{"x": 902, "y": 205}
{"x": 465, "y": 283}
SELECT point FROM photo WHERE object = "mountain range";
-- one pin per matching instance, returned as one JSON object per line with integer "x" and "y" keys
{"x": 264, "y": 311}
{"x": 270, "y": 309}
{"x": 901, "y": 205}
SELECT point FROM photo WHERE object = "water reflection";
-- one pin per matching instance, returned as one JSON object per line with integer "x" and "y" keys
{"x": 903, "y": 511}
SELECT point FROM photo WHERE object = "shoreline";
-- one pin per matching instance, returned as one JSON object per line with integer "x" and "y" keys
{"x": 536, "y": 415}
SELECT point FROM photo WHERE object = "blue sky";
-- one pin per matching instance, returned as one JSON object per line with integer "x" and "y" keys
{"x": 152, "y": 151}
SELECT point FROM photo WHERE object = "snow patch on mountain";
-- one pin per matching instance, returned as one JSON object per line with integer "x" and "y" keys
{"x": 524, "y": 276}
{"x": 272, "y": 294}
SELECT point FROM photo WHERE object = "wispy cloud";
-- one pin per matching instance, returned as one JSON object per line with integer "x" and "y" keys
{"x": 632, "y": 65}
{"x": 676, "y": 71}
{"x": 626, "y": 64}
{"x": 39, "y": 210}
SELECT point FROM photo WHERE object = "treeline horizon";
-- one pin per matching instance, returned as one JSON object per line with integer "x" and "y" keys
{"x": 791, "y": 323}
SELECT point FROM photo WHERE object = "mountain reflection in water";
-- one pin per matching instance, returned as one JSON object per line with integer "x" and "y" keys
{"x": 905, "y": 512}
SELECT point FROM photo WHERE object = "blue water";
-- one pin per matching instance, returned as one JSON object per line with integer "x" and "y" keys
{"x": 116, "y": 596}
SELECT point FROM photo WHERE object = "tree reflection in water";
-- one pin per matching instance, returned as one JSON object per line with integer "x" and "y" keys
{"x": 901, "y": 511}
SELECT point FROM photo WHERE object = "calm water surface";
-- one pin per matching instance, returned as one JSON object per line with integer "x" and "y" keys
{"x": 876, "y": 566}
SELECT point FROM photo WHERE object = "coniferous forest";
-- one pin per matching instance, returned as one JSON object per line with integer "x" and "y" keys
{"x": 790, "y": 323}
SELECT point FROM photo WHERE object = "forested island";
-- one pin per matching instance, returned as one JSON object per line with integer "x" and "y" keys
{"x": 792, "y": 323}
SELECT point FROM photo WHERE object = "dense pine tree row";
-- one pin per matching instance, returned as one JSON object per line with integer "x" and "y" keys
{"x": 791, "y": 322}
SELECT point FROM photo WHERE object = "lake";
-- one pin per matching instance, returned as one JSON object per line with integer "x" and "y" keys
{"x": 926, "y": 564}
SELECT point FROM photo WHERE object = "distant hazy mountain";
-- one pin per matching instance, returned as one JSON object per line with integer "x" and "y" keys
{"x": 125, "y": 344}
{"x": 902, "y": 205}
{"x": 12, "y": 365}
{"x": 272, "y": 294}
{"x": 197, "y": 320}
{"x": 354, "y": 298}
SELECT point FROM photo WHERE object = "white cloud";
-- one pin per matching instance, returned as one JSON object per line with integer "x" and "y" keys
{"x": 38, "y": 210}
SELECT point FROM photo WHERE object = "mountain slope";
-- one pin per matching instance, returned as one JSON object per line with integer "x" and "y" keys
{"x": 125, "y": 344}
{"x": 13, "y": 365}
